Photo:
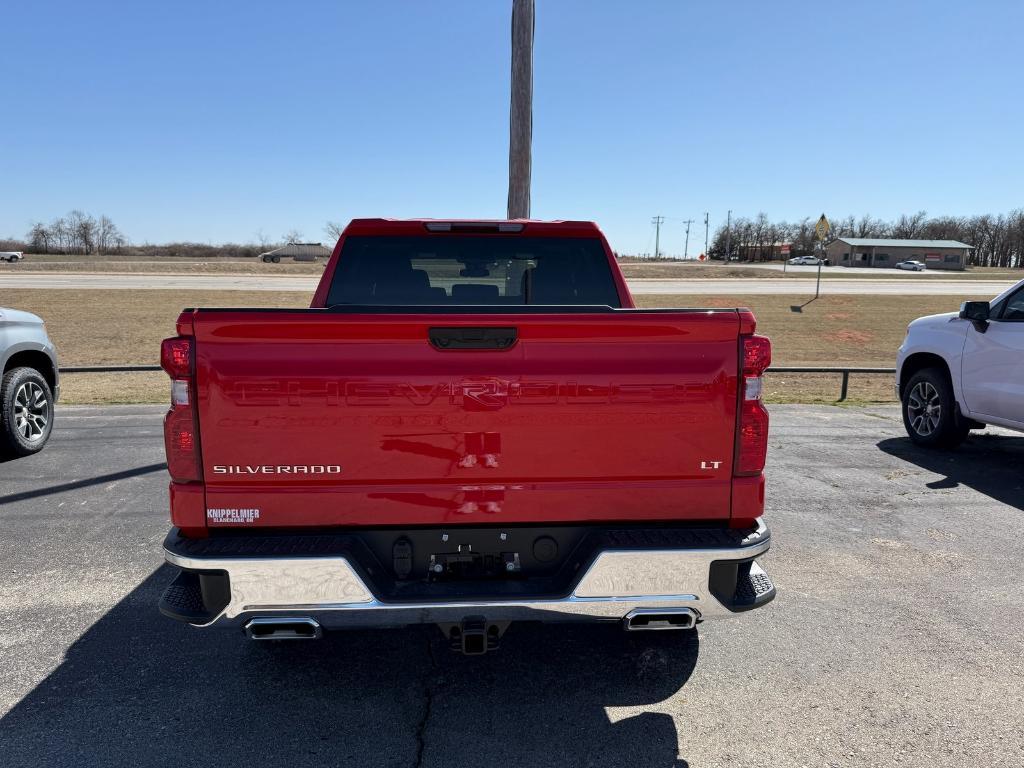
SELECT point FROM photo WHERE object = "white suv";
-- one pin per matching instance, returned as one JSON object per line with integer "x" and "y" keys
{"x": 29, "y": 383}
{"x": 959, "y": 371}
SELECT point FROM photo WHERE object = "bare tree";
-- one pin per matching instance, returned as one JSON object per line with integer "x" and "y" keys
{"x": 909, "y": 227}
{"x": 292, "y": 236}
{"x": 845, "y": 227}
{"x": 263, "y": 240}
{"x": 77, "y": 232}
{"x": 83, "y": 231}
{"x": 334, "y": 229}
{"x": 74, "y": 234}
{"x": 39, "y": 238}
{"x": 803, "y": 238}
{"x": 108, "y": 236}
{"x": 61, "y": 234}
{"x": 869, "y": 227}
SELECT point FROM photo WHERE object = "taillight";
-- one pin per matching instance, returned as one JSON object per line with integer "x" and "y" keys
{"x": 752, "y": 418}
{"x": 182, "y": 445}
{"x": 176, "y": 357}
{"x": 181, "y": 434}
{"x": 757, "y": 355}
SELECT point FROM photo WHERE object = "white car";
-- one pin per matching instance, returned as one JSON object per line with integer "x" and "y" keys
{"x": 810, "y": 260}
{"x": 11, "y": 256}
{"x": 959, "y": 371}
{"x": 913, "y": 266}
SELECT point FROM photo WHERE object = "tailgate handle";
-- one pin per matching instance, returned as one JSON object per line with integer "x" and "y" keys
{"x": 472, "y": 338}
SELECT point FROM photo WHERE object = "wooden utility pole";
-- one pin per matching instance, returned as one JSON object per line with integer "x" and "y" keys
{"x": 521, "y": 111}
{"x": 657, "y": 221}
{"x": 728, "y": 237}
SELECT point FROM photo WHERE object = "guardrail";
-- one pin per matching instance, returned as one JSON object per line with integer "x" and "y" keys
{"x": 845, "y": 386}
{"x": 843, "y": 391}
{"x": 109, "y": 368}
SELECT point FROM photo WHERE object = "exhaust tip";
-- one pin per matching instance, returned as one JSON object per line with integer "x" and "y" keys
{"x": 643, "y": 619}
{"x": 284, "y": 629}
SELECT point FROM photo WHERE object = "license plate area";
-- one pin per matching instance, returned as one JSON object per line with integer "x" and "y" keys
{"x": 468, "y": 565}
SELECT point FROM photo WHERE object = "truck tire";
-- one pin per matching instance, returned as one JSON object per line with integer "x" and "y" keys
{"x": 929, "y": 411}
{"x": 26, "y": 412}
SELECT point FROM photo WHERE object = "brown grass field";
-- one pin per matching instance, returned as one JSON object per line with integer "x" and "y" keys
{"x": 859, "y": 331}
{"x": 97, "y": 327}
{"x": 120, "y": 327}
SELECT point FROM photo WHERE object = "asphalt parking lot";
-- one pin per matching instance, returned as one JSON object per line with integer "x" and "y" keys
{"x": 896, "y": 638}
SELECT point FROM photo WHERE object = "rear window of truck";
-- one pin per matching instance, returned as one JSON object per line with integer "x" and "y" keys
{"x": 467, "y": 270}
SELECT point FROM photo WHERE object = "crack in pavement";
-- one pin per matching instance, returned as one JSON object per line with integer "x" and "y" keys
{"x": 428, "y": 704}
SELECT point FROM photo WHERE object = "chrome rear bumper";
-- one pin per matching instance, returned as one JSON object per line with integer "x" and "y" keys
{"x": 617, "y": 583}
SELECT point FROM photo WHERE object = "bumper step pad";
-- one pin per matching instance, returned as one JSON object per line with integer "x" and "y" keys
{"x": 753, "y": 588}
{"x": 185, "y": 598}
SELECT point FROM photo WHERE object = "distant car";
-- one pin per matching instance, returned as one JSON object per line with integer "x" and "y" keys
{"x": 29, "y": 386}
{"x": 11, "y": 256}
{"x": 809, "y": 260}
{"x": 961, "y": 370}
{"x": 913, "y": 266}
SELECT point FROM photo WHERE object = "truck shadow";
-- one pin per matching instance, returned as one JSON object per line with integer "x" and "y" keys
{"x": 111, "y": 477}
{"x": 990, "y": 464}
{"x": 138, "y": 689}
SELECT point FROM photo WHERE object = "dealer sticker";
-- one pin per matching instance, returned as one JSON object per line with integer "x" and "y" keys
{"x": 232, "y": 515}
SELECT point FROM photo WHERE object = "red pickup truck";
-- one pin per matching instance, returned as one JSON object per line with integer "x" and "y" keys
{"x": 471, "y": 425}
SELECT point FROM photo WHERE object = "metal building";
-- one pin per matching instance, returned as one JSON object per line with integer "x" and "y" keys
{"x": 886, "y": 252}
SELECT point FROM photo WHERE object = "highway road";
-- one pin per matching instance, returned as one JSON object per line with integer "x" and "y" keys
{"x": 895, "y": 639}
{"x": 276, "y": 283}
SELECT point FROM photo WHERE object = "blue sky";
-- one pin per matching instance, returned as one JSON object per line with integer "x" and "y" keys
{"x": 212, "y": 121}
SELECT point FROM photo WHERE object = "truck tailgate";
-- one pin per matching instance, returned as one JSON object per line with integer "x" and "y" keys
{"x": 324, "y": 418}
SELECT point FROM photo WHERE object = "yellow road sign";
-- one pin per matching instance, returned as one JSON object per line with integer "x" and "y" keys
{"x": 822, "y": 228}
